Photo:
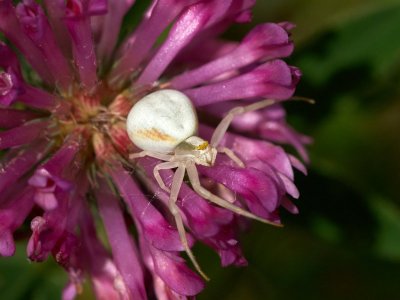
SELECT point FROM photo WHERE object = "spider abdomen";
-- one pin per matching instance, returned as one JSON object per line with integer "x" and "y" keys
{"x": 161, "y": 121}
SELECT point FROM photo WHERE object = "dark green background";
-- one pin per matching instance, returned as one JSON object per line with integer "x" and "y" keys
{"x": 345, "y": 243}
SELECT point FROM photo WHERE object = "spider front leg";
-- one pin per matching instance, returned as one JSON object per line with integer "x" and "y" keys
{"x": 227, "y": 120}
{"x": 161, "y": 156}
{"x": 195, "y": 181}
{"x": 231, "y": 155}
{"x": 173, "y": 208}
{"x": 163, "y": 166}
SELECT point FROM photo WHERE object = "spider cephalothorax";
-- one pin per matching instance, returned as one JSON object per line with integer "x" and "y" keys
{"x": 196, "y": 149}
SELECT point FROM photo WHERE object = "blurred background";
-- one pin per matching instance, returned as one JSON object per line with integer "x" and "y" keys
{"x": 345, "y": 243}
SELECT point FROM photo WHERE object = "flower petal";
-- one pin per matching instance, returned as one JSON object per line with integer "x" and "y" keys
{"x": 265, "y": 41}
{"x": 274, "y": 79}
{"x": 123, "y": 248}
{"x": 155, "y": 228}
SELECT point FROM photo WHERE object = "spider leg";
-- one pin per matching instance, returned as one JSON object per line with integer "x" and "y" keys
{"x": 195, "y": 181}
{"x": 175, "y": 188}
{"x": 163, "y": 166}
{"x": 231, "y": 155}
{"x": 161, "y": 156}
{"x": 227, "y": 120}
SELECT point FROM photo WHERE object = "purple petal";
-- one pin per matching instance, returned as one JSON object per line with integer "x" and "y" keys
{"x": 23, "y": 134}
{"x": 211, "y": 49}
{"x": 11, "y": 28}
{"x": 259, "y": 190}
{"x": 78, "y": 24}
{"x": 111, "y": 26}
{"x": 20, "y": 164}
{"x": 38, "y": 98}
{"x": 283, "y": 133}
{"x": 183, "y": 31}
{"x": 255, "y": 151}
{"x": 268, "y": 123}
{"x": 10, "y": 118}
{"x": 289, "y": 206}
{"x": 12, "y": 215}
{"x": 35, "y": 25}
{"x": 63, "y": 158}
{"x": 56, "y": 13}
{"x": 208, "y": 223}
{"x": 203, "y": 219}
{"x": 163, "y": 292}
{"x": 274, "y": 79}
{"x": 46, "y": 200}
{"x": 297, "y": 164}
{"x": 58, "y": 172}
{"x": 47, "y": 230}
{"x": 268, "y": 158}
{"x": 106, "y": 280}
{"x": 10, "y": 87}
{"x": 252, "y": 150}
{"x": 138, "y": 45}
{"x": 265, "y": 41}
{"x": 224, "y": 14}
{"x": 124, "y": 251}
{"x": 65, "y": 249}
{"x": 156, "y": 229}
{"x": 175, "y": 273}
{"x": 98, "y": 7}
{"x": 8, "y": 59}
{"x": 7, "y": 245}
{"x": 171, "y": 270}
{"x": 289, "y": 186}
{"x": 227, "y": 246}
{"x": 69, "y": 292}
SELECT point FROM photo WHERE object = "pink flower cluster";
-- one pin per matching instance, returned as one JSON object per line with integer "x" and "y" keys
{"x": 65, "y": 148}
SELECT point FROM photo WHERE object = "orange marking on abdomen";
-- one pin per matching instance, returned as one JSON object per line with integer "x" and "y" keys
{"x": 155, "y": 135}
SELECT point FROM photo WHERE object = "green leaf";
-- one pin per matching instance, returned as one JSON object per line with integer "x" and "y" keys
{"x": 370, "y": 41}
{"x": 388, "y": 237}
{"x": 314, "y": 17}
{"x": 20, "y": 279}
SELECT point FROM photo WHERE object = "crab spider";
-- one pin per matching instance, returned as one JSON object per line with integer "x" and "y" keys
{"x": 164, "y": 125}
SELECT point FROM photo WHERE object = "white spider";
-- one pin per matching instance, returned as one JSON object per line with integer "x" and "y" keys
{"x": 164, "y": 125}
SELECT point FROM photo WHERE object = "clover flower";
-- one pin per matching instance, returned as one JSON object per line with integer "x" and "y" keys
{"x": 65, "y": 163}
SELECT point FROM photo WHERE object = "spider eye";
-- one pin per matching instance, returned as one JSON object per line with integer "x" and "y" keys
{"x": 162, "y": 120}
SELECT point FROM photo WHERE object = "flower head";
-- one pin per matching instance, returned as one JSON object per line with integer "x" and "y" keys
{"x": 66, "y": 149}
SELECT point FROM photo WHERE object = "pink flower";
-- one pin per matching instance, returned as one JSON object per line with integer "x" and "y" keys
{"x": 66, "y": 148}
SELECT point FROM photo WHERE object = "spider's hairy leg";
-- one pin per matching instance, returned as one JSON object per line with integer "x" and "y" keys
{"x": 161, "y": 156}
{"x": 175, "y": 188}
{"x": 231, "y": 155}
{"x": 163, "y": 166}
{"x": 227, "y": 120}
{"x": 195, "y": 181}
